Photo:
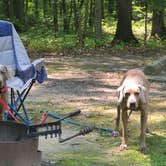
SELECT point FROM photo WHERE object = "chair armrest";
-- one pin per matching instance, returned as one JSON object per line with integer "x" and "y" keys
{"x": 38, "y": 64}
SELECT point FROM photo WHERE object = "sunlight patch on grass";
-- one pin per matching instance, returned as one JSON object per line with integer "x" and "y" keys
{"x": 74, "y": 159}
{"x": 53, "y": 68}
{"x": 158, "y": 104}
{"x": 131, "y": 158}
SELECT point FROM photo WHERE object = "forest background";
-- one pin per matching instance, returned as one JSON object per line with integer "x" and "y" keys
{"x": 87, "y": 46}
{"x": 51, "y": 25}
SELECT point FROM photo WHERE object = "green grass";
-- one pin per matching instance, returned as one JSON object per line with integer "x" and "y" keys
{"x": 75, "y": 159}
{"x": 109, "y": 154}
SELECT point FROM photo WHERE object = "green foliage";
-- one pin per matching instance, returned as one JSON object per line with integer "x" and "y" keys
{"x": 43, "y": 39}
{"x": 156, "y": 43}
{"x": 138, "y": 13}
{"x": 158, "y": 4}
{"x": 39, "y": 32}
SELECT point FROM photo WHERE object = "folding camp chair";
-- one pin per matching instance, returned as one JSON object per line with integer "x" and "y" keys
{"x": 14, "y": 56}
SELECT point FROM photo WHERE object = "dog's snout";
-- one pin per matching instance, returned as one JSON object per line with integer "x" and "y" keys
{"x": 133, "y": 105}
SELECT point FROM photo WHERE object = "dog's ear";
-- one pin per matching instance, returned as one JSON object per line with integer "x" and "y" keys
{"x": 120, "y": 91}
{"x": 4, "y": 71}
{"x": 142, "y": 94}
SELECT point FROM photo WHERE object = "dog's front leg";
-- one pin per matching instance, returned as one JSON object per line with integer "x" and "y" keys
{"x": 125, "y": 130}
{"x": 116, "y": 130}
{"x": 143, "y": 131}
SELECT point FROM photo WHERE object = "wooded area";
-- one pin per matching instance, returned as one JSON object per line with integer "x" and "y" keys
{"x": 87, "y": 46}
{"x": 86, "y": 17}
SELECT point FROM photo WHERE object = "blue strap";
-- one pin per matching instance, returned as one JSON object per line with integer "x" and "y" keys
{"x": 77, "y": 123}
{"x": 41, "y": 75}
{"x": 65, "y": 120}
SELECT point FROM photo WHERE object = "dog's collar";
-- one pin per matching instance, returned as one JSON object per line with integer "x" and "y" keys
{"x": 3, "y": 90}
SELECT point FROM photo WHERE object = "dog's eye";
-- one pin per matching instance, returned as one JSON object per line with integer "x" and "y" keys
{"x": 136, "y": 93}
{"x": 127, "y": 94}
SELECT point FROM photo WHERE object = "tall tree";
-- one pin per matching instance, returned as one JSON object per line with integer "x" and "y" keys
{"x": 10, "y": 6}
{"x": 146, "y": 21}
{"x": 98, "y": 20}
{"x": 55, "y": 14}
{"x": 65, "y": 16}
{"x": 13, "y": 8}
{"x": 111, "y": 6}
{"x": 85, "y": 19}
{"x": 124, "y": 27}
{"x": 70, "y": 12}
{"x": 26, "y": 7}
{"x": 36, "y": 8}
{"x": 19, "y": 11}
{"x": 82, "y": 21}
{"x": 91, "y": 14}
{"x": 158, "y": 28}
{"x": 76, "y": 19}
{"x": 102, "y": 9}
{"x": 5, "y": 7}
{"x": 45, "y": 7}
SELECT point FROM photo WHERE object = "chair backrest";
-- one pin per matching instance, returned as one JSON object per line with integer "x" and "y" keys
{"x": 12, "y": 51}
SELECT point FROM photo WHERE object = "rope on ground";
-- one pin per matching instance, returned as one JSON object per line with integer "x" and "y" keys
{"x": 53, "y": 115}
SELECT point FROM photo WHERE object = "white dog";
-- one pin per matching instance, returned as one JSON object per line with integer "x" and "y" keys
{"x": 133, "y": 95}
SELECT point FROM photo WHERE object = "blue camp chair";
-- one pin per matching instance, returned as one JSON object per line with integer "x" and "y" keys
{"x": 14, "y": 56}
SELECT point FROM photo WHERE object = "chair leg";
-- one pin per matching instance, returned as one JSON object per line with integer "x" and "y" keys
{"x": 17, "y": 103}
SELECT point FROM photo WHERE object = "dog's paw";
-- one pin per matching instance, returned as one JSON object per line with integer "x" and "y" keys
{"x": 144, "y": 150}
{"x": 115, "y": 133}
{"x": 123, "y": 146}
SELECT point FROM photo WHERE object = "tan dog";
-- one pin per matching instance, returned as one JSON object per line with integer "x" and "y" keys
{"x": 133, "y": 95}
{"x": 4, "y": 75}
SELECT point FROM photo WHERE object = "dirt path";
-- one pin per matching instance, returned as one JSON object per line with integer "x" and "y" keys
{"x": 89, "y": 83}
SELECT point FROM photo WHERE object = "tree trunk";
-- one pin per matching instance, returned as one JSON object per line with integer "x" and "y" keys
{"x": 49, "y": 2}
{"x": 65, "y": 17}
{"x": 124, "y": 28}
{"x": 26, "y": 7}
{"x": 146, "y": 22}
{"x": 80, "y": 29}
{"x": 111, "y": 6}
{"x": 10, "y": 8}
{"x": 6, "y": 7}
{"x": 36, "y": 8}
{"x": 158, "y": 29}
{"x": 55, "y": 14}
{"x": 98, "y": 20}
{"x": 45, "y": 8}
{"x": 19, "y": 10}
{"x": 85, "y": 21}
{"x": 102, "y": 9}
{"x": 76, "y": 20}
{"x": 71, "y": 11}
{"x": 91, "y": 15}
